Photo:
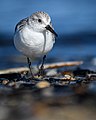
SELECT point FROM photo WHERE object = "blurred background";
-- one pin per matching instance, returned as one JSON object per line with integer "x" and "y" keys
{"x": 75, "y": 23}
{"x": 73, "y": 20}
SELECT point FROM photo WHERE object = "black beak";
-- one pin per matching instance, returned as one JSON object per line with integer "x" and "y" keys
{"x": 48, "y": 27}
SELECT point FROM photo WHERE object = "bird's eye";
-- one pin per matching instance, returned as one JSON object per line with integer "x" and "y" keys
{"x": 39, "y": 20}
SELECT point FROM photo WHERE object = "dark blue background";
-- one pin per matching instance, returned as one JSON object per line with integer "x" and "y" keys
{"x": 68, "y": 16}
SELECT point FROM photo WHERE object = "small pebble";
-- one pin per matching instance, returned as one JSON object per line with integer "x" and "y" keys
{"x": 52, "y": 72}
{"x": 68, "y": 77}
{"x": 11, "y": 84}
{"x": 42, "y": 84}
{"x": 4, "y": 82}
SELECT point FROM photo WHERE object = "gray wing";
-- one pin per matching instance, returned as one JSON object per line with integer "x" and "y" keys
{"x": 21, "y": 24}
{"x": 53, "y": 36}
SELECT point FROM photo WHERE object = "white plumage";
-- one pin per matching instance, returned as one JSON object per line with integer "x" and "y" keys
{"x": 34, "y": 36}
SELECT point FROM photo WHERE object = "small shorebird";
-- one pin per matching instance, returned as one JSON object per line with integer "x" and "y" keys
{"x": 34, "y": 37}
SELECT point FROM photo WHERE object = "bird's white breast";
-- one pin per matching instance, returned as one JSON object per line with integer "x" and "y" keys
{"x": 33, "y": 44}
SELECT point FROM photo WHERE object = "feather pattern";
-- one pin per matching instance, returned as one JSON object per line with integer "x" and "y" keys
{"x": 21, "y": 24}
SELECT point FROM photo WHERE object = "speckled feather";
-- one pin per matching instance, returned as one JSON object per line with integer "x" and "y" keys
{"x": 39, "y": 14}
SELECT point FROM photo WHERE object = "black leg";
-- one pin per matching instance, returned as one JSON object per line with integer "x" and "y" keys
{"x": 29, "y": 65}
{"x": 41, "y": 70}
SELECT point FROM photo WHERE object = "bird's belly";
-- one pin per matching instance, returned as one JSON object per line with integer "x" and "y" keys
{"x": 32, "y": 44}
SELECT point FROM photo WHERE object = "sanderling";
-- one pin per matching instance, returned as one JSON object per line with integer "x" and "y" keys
{"x": 34, "y": 36}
